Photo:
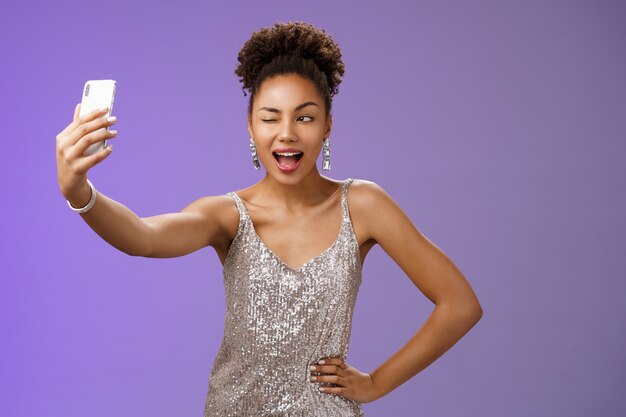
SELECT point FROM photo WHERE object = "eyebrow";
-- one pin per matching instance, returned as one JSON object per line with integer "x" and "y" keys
{"x": 298, "y": 107}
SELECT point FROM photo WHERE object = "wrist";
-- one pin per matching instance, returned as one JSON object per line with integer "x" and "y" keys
{"x": 376, "y": 388}
{"x": 81, "y": 197}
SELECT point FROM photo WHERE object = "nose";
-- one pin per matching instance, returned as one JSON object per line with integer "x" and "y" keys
{"x": 287, "y": 132}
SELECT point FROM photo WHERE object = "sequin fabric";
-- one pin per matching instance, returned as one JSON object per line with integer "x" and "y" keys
{"x": 280, "y": 320}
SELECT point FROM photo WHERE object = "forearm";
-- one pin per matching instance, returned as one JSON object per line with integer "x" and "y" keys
{"x": 443, "y": 328}
{"x": 113, "y": 222}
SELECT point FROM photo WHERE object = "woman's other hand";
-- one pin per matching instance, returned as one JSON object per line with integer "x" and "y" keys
{"x": 352, "y": 383}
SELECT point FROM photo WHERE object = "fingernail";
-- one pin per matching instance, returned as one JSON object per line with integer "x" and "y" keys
{"x": 313, "y": 378}
{"x": 321, "y": 389}
{"x": 312, "y": 368}
{"x": 322, "y": 362}
{"x": 111, "y": 119}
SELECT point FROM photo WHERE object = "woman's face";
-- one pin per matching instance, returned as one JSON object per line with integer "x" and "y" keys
{"x": 288, "y": 125}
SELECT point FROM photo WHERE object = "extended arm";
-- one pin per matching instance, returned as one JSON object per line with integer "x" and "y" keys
{"x": 167, "y": 235}
{"x": 203, "y": 222}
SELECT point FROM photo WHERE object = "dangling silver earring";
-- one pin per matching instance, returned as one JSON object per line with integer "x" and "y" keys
{"x": 255, "y": 158}
{"x": 326, "y": 155}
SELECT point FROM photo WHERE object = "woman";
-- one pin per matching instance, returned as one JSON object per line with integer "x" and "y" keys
{"x": 292, "y": 245}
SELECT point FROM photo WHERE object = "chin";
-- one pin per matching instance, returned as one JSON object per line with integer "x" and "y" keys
{"x": 291, "y": 178}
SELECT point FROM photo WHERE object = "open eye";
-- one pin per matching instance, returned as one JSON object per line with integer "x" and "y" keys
{"x": 306, "y": 116}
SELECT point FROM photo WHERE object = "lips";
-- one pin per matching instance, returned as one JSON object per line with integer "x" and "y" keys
{"x": 287, "y": 159}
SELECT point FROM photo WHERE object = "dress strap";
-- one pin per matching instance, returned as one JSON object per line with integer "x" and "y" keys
{"x": 240, "y": 206}
{"x": 344, "y": 197}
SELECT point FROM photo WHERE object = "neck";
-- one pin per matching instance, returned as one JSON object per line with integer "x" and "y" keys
{"x": 310, "y": 190}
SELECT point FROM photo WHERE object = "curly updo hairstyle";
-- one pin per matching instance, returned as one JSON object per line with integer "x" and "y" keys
{"x": 293, "y": 47}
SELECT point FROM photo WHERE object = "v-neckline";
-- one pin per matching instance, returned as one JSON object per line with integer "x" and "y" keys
{"x": 318, "y": 256}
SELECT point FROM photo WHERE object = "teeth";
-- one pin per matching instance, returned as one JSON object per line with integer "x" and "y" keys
{"x": 288, "y": 153}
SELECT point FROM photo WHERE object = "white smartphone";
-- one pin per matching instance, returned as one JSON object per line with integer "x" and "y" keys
{"x": 96, "y": 95}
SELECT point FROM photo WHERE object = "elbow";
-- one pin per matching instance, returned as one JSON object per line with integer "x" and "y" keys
{"x": 477, "y": 313}
{"x": 130, "y": 251}
{"x": 144, "y": 251}
{"x": 470, "y": 313}
{"x": 143, "y": 245}
{"x": 474, "y": 311}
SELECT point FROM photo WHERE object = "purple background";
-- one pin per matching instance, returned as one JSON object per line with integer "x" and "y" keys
{"x": 498, "y": 126}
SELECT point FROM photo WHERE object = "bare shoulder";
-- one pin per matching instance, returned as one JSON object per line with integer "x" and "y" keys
{"x": 370, "y": 206}
{"x": 220, "y": 214}
{"x": 364, "y": 192}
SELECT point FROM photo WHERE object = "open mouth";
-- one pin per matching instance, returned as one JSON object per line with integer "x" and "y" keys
{"x": 287, "y": 159}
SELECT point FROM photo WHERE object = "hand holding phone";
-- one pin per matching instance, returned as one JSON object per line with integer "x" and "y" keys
{"x": 81, "y": 145}
{"x": 97, "y": 94}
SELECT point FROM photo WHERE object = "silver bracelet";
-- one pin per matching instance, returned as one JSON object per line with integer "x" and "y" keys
{"x": 89, "y": 205}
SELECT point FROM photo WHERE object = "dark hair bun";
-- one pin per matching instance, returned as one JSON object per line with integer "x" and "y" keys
{"x": 293, "y": 39}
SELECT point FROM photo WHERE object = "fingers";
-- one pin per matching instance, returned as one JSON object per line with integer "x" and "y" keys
{"x": 333, "y": 390}
{"x": 91, "y": 115}
{"x": 329, "y": 371}
{"x": 89, "y": 129}
{"x": 77, "y": 121}
{"x": 87, "y": 124}
{"x": 334, "y": 366}
{"x": 88, "y": 162}
{"x": 76, "y": 112}
{"x": 339, "y": 362}
{"x": 336, "y": 377}
{"x": 89, "y": 139}
{"x": 72, "y": 142}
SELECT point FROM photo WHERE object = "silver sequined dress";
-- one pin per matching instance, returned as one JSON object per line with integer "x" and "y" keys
{"x": 279, "y": 321}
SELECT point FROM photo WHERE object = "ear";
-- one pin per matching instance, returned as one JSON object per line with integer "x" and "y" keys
{"x": 329, "y": 125}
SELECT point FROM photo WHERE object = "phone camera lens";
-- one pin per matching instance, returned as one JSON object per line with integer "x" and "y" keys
{"x": 87, "y": 90}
